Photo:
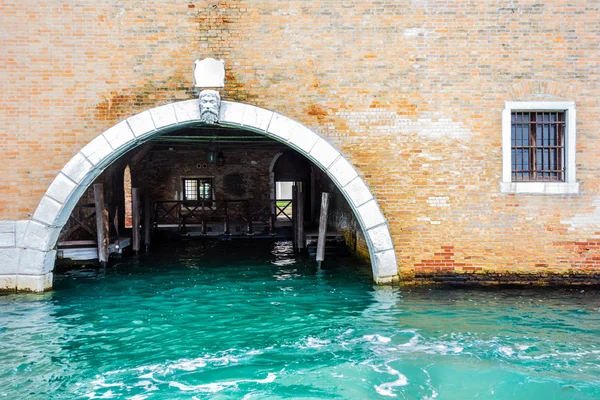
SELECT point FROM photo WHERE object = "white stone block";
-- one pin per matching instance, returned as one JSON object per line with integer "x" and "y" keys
{"x": 119, "y": 135}
{"x": 380, "y": 238}
{"x": 40, "y": 237}
{"x": 303, "y": 138}
{"x": 9, "y": 261}
{"x": 324, "y": 153}
{"x": 342, "y": 172}
{"x": 257, "y": 118}
{"x": 21, "y": 227}
{"x": 34, "y": 283}
{"x": 7, "y": 239}
{"x": 232, "y": 113}
{"x": 281, "y": 127}
{"x": 358, "y": 192}
{"x": 187, "y": 110}
{"x": 7, "y": 234}
{"x": 163, "y": 116}
{"x": 8, "y": 283}
{"x": 48, "y": 211}
{"x": 209, "y": 73}
{"x": 97, "y": 150}
{"x": 61, "y": 188}
{"x": 385, "y": 264}
{"x": 370, "y": 214}
{"x": 141, "y": 124}
{"x": 77, "y": 168}
{"x": 34, "y": 262}
{"x": 7, "y": 226}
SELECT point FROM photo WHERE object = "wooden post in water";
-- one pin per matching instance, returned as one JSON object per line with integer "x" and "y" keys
{"x": 147, "y": 219}
{"x": 295, "y": 215}
{"x": 226, "y": 221}
{"x": 322, "y": 228}
{"x": 102, "y": 228}
{"x": 135, "y": 220}
{"x": 300, "y": 219}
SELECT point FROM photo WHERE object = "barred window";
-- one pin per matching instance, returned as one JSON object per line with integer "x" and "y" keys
{"x": 538, "y": 146}
{"x": 539, "y": 139}
{"x": 197, "y": 189}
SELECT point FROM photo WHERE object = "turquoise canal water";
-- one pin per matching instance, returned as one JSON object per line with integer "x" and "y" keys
{"x": 248, "y": 322}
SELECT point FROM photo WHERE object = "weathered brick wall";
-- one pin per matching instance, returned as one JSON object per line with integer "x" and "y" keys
{"x": 410, "y": 91}
{"x": 245, "y": 175}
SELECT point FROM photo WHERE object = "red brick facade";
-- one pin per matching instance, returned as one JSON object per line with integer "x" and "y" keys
{"x": 411, "y": 92}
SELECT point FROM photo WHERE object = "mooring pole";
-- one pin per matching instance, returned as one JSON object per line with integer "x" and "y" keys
{"x": 102, "y": 228}
{"x": 135, "y": 220}
{"x": 322, "y": 228}
{"x": 295, "y": 215}
{"x": 147, "y": 219}
{"x": 300, "y": 220}
{"x": 226, "y": 221}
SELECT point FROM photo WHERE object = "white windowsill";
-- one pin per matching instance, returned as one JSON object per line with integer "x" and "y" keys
{"x": 540, "y": 187}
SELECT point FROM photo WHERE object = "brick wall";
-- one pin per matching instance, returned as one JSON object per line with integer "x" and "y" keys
{"x": 245, "y": 175}
{"x": 410, "y": 91}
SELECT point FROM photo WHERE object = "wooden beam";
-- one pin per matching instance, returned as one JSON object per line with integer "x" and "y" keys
{"x": 226, "y": 220}
{"x": 135, "y": 211}
{"x": 102, "y": 229}
{"x": 147, "y": 219}
{"x": 295, "y": 216}
{"x": 300, "y": 219}
{"x": 322, "y": 228}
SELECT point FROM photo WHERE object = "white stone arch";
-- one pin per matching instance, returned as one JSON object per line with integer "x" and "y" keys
{"x": 36, "y": 260}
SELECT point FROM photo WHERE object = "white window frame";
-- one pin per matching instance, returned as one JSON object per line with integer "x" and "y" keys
{"x": 213, "y": 195}
{"x": 570, "y": 185}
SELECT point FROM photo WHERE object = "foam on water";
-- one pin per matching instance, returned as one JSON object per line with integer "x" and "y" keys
{"x": 218, "y": 326}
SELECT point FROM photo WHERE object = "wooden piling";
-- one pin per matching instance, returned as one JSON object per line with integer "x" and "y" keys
{"x": 322, "y": 228}
{"x": 300, "y": 196}
{"x": 295, "y": 216}
{"x": 135, "y": 214}
{"x": 102, "y": 227}
{"x": 147, "y": 219}
{"x": 226, "y": 221}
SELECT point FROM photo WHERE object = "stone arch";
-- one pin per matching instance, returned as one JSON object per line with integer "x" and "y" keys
{"x": 36, "y": 260}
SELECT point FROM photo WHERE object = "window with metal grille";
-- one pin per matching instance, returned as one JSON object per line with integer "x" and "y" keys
{"x": 197, "y": 189}
{"x": 538, "y": 146}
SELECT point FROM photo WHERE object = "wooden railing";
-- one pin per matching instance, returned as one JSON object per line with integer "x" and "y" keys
{"x": 182, "y": 214}
{"x": 82, "y": 223}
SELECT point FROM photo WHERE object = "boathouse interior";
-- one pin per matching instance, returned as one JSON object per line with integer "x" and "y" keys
{"x": 209, "y": 182}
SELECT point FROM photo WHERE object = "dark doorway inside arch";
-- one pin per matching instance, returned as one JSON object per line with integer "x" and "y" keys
{"x": 211, "y": 183}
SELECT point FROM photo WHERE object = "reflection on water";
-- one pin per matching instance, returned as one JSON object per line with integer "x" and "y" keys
{"x": 238, "y": 320}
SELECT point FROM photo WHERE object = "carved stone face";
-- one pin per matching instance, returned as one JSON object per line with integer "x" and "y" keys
{"x": 210, "y": 102}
